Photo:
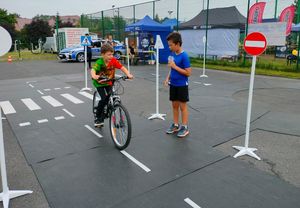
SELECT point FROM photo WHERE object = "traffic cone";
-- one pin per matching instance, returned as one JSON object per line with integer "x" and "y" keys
{"x": 9, "y": 60}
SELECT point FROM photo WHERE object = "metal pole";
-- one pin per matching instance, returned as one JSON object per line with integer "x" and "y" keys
{"x": 246, "y": 150}
{"x": 119, "y": 32}
{"x": 246, "y": 30}
{"x": 276, "y": 3}
{"x": 177, "y": 15}
{"x": 133, "y": 13}
{"x": 298, "y": 36}
{"x": 153, "y": 9}
{"x": 81, "y": 20}
{"x": 57, "y": 39}
{"x": 103, "y": 30}
{"x": 6, "y": 194}
{"x": 2, "y": 156}
{"x": 206, "y": 28}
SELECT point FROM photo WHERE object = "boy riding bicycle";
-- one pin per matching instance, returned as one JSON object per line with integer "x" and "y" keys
{"x": 105, "y": 67}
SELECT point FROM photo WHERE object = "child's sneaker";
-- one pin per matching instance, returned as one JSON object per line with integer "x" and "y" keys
{"x": 173, "y": 128}
{"x": 183, "y": 131}
{"x": 98, "y": 123}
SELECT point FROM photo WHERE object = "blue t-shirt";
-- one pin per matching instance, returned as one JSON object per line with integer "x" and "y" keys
{"x": 181, "y": 60}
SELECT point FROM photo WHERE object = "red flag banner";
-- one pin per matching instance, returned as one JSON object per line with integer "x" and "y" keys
{"x": 256, "y": 13}
{"x": 287, "y": 15}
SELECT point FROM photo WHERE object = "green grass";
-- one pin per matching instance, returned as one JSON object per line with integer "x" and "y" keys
{"x": 27, "y": 55}
{"x": 266, "y": 65}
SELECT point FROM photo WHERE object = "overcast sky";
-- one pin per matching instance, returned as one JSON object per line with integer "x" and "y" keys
{"x": 188, "y": 8}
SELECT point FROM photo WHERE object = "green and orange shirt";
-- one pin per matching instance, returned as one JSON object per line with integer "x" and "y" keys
{"x": 106, "y": 70}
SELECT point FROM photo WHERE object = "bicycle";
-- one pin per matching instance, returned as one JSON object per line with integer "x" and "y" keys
{"x": 119, "y": 119}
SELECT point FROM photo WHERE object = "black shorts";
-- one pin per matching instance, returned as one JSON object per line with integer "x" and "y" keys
{"x": 179, "y": 93}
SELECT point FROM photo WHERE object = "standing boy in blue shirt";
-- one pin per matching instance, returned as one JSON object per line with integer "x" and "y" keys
{"x": 178, "y": 81}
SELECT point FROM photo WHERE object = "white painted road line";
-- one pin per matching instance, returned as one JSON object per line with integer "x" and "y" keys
{"x": 67, "y": 87}
{"x": 58, "y": 88}
{"x": 47, "y": 90}
{"x": 31, "y": 85}
{"x": 255, "y": 44}
{"x": 145, "y": 168}
{"x": 31, "y": 104}
{"x": 86, "y": 94}
{"x": 191, "y": 203}
{"x": 67, "y": 112}
{"x": 92, "y": 130}
{"x": 30, "y": 81}
{"x": 197, "y": 82}
{"x": 7, "y": 107}
{"x": 52, "y": 101}
{"x": 59, "y": 118}
{"x": 24, "y": 124}
{"x": 207, "y": 84}
{"x": 43, "y": 121}
{"x": 72, "y": 98}
{"x": 39, "y": 91}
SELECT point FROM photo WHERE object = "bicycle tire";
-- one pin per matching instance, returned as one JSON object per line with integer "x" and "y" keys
{"x": 116, "y": 126}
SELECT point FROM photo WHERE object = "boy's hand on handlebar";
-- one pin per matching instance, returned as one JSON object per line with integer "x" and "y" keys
{"x": 130, "y": 76}
{"x": 96, "y": 77}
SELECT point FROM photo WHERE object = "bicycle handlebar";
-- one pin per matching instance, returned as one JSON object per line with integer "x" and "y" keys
{"x": 106, "y": 79}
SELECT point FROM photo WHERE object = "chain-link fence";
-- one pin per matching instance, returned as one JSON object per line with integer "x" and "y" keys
{"x": 114, "y": 21}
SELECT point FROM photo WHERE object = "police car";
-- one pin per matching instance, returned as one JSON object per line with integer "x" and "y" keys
{"x": 76, "y": 53}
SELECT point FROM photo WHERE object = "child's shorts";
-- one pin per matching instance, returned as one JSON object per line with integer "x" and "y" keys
{"x": 179, "y": 93}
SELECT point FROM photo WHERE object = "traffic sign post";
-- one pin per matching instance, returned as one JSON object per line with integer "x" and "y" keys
{"x": 6, "y": 194}
{"x": 158, "y": 45}
{"x": 127, "y": 49}
{"x": 204, "y": 58}
{"x": 85, "y": 42}
{"x": 254, "y": 44}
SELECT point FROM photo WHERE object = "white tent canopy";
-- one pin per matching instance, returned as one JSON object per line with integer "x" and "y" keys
{"x": 220, "y": 42}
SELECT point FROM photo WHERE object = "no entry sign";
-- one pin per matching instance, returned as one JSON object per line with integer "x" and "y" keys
{"x": 255, "y": 43}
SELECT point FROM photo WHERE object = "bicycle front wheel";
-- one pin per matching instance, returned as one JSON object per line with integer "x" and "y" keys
{"x": 120, "y": 126}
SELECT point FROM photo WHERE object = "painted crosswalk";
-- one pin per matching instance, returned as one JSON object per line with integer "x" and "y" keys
{"x": 72, "y": 98}
{"x": 86, "y": 94}
{"x": 7, "y": 107}
{"x": 31, "y": 104}
{"x": 52, "y": 101}
{"x": 38, "y": 103}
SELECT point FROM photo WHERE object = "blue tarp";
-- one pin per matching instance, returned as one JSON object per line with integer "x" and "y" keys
{"x": 147, "y": 24}
{"x": 153, "y": 28}
{"x": 170, "y": 22}
{"x": 296, "y": 27}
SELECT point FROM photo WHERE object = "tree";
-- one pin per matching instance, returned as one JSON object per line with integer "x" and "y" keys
{"x": 66, "y": 24}
{"x": 8, "y": 22}
{"x": 42, "y": 17}
{"x": 37, "y": 29}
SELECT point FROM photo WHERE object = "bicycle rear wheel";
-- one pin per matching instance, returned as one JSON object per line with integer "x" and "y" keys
{"x": 120, "y": 126}
{"x": 96, "y": 99}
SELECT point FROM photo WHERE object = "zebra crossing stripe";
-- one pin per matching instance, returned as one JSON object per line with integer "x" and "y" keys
{"x": 7, "y": 107}
{"x": 24, "y": 124}
{"x": 30, "y": 104}
{"x": 72, "y": 98}
{"x": 68, "y": 112}
{"x": 43, "y": 121}
{"x": 85, "y": 94}
{"x": 52, "y": 101}
{"x": 59, "y": 118}
{"x": 39, "y": 91}
{"x": 191, "y": 203}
